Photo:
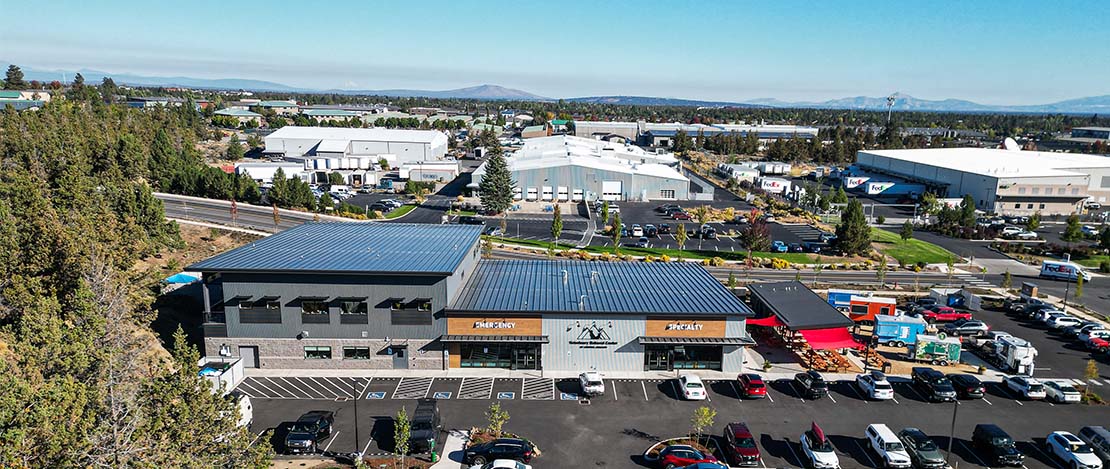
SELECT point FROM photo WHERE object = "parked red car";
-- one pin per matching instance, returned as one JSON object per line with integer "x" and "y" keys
{"x": 751, "y": 386}
{"x": 680, "y": 216}
{"x": 741, "y": 447}
{"x": 682, "y": 456}
{"x": 944, "y": 314}
{"x": 1098, "y": 345}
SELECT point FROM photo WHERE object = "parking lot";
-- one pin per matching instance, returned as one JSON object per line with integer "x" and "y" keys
{"x": 613, "y": 429}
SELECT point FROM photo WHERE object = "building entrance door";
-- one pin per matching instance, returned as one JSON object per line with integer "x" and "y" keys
{"x": 524, "y": 358}
{"x": 400, "y": 358}
{"x": 249, "y": 355}
{"x": 658, "y": 359}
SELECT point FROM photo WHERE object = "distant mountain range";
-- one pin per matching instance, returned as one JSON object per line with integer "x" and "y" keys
{"x": 1087, "y": 105}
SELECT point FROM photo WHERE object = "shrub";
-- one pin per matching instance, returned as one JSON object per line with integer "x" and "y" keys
{"x": 881, "y": 219}
{"x": 1104, "y": 267}
{"x": 666, "y": 258}
{"x": 716, "y": 262}
{"x": 705, "y": 262}
{"x": 780, "y": 264}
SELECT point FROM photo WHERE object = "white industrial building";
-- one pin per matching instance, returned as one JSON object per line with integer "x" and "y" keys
{"x": 572, "y": 168}
{"x": 662, "y": 134}
{"x": 263, "y": 171}
{"x": 1001, "y": 181}
{"x": 394, "y": 145}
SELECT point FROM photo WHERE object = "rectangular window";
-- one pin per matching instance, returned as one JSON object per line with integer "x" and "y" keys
{"x": 1029, "y": 206}
{"x": 1021, "y": 190}
{"x": 245, "y": 306}
{"x": 353, "y": 312}
{"x": 396, "y": 304}
{"x": 356, "y": 353}
{"x": 666, "y": 194}
{"x": 314, "y": 312}
{"x": 1042, "y": 206}
{"x": 424, "y": 305}
{"x": 1075, "y": 191}
{"x": 1061, "y": 191}
{"x": 273, "y": 305}
{"x": 1036, "y": 190}
{"x": 265, "y": 311}
{"x": 1017, "y": 205}
{"x": 317, "y": 353}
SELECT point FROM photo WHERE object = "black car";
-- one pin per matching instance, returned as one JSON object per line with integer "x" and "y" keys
{"x": 923, "y": 452}
{"x": 380, "y": 207}
{"x": 470, "y": 220}
{"x": 967, "y": 386}
{"x": 501, "y": 448}
{"x": 651, "y": 231}
{"x": 664, "y": 228}
{"x": 933, "y": 384}
{"x": 996, "y": 445}
{"x": 425, "y": 426}
{"x": 811, "y": 384}
{"x": 667, "y": 208}
{"x": 926, "y": 302}
{"x": 305, "y": 434}
{"x": 795, "y": 247}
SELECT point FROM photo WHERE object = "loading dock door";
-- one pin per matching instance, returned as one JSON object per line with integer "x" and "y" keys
{"x": 611, "y": 190}
{"x": 249, "y": 355}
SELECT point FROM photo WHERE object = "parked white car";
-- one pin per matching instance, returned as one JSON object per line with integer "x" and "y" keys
{"x": 1074, "y": 452}
{"x": 875, "y": 386}
{"x": 887, "y": 445}
{"x": 637, "y": 231}
{"x": 1045, "y": 315}
{"x": 592, "y": 384}
{"x": 1027, "y": 387}
{"x": 1061, "y": 322}
{"x": 1100, "y": 333}
{"x": 691, "y": 387}
{"x": 1061, "y": 393}
{"x": 819, "y": 451}
{"x": 1027, "y": 235}
{"x": 502, "y": 464}
{"x": 1011, "y": 231}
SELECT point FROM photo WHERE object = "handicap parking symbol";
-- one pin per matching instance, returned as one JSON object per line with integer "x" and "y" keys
{"x": 375, "y": 395}
{"x": 442, "y": 395}
{"x": 568, "y": 396}
{"x": 506, "y": 395}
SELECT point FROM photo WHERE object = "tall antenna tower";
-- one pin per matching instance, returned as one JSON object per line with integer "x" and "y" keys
{"x": 890, "y": 106}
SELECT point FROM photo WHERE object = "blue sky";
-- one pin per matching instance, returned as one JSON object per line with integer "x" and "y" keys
{"x": 996, "y": 52}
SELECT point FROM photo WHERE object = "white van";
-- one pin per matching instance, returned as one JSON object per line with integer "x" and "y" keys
{"x": 1063, "y": 270}
{"x": 246, "y": 410}
{"x": 887, "y": 445}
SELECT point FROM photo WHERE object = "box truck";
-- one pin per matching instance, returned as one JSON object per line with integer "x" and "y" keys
{"x": 897, "y": 331}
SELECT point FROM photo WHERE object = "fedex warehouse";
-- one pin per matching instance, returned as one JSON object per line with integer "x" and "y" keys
{"x": 1001, "y": 181}
{"x": 397, "y": 296}
{"x": 566, "y": 168}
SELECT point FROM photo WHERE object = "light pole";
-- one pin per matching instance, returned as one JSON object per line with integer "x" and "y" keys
{"x": 355, "y": 391}
{"x": 952, "y": 431}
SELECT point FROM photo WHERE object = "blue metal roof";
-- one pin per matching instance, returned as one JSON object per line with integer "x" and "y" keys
{"x": 341, "y": 247}
{"x": 608, "y": 287}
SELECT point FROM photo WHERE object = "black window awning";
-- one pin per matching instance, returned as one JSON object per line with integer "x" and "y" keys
{"x": 696, "y": 341}
{"x": 269, "y": 298}
{"x": 351, "y": 298}
{"x": 312, "y": 298}
{"x": 520, "y": 339}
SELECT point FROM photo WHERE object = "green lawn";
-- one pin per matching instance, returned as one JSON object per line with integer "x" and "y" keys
{"x": 399, "y": 211}
{"x": 910, "y": 251}
{"x": 792, "y": 257}
{"x": 1092, "y": 261}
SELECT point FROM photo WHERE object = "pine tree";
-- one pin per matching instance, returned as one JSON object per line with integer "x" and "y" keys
{"x": 234, "y": 149}
{"x": 1034, "y": 221}
{"x": 496, "y": 188}
{"x": 557, "y": 223}
{"x": 840, "y": 197}
{"x": 853, "y": 235}
{"x": 1072, "y": 232}
{"x": 14, "y": 78}
{"x": 907, "y": 231}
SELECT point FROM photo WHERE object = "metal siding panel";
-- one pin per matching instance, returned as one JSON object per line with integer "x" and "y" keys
{"x": 627, "y": 355}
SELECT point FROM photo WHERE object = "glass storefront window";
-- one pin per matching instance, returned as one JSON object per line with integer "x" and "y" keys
{"x": 682, "y": 357}
{"x": 511, "y": 356}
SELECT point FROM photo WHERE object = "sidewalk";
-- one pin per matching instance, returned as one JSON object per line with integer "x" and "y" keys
{"x": 452, "y": 452}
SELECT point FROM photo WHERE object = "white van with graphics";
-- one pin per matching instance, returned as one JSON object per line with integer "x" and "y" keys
{"x": 1063, "y": 270}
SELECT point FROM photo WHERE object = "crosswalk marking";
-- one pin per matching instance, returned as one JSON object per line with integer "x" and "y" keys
{"x": 412, "y": 388}
{"x": 475, "y": 388}
{"x": 538, "y": 389}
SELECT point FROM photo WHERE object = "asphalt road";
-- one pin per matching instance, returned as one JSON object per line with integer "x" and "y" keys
{"x": 614, "y": 429}
{"x": 246, "y": 216}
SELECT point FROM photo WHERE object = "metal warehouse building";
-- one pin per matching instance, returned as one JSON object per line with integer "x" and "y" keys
{"x": 573, "y": 168}
{"x": 324, "y": 147}
{"x": 662, "y": 134}
{"x": 396, "y": 296}
{"x": 1001, "y": 181}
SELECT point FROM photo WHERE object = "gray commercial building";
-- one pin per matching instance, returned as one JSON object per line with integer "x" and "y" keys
{"x": 380, "y": 296}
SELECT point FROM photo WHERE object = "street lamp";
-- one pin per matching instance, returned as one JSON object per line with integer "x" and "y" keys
{"x": 355, "y": 391}
{"x": 952, "y": 432}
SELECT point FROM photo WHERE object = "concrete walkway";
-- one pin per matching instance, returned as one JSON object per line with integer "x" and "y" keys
{"x": 452, "y": 452}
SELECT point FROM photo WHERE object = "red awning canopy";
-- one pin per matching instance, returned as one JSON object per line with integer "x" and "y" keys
{"x": 832, "y": 338}
{"x": 769, "y": 321}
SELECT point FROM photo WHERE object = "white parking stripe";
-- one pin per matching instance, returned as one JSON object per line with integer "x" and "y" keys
{"x": 278, "y": 395}
{"x": 613, "y": 383}
{"x": 769, "y": 396}
{"x": 275, "y": 383}
{"x": 799, "y": 461}
{"x": 293, "y": 385}
{"x": 972, "y": 453}
{"x": 1051, "y": 460}
{"x": 866, "y": 454}
{"x": 340, "y": 385}
{"x": 312, "y": 388}
{"x": 323, "y": 383}
{"x": 364, "y": 448}
{"x": 735, "y": 391}
{"x": 254, "y": 392}
{"x": 363, "y": 392}
{"x": 642, "y": 386}
{"x": 987, "y": 401}
{"x": 257, "y": 437}
{"x": 831, "y": 398}
{"x": 332, "y": 440}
